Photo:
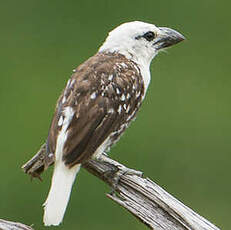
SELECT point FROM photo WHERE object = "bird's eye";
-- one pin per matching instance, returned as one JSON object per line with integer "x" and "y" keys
{"x": 149, "y": 36}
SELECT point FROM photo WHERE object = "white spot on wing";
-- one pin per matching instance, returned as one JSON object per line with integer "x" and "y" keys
{"x": 123, "y": 65}
{"x": 129, "y": 117}
{"x": 111, "y": 110}
{"x": 136, "y": 68}
{"x": 128, "y": 96}
{"x": 128, "y": 108}
{"x": 60, "y": 122}
{"x": 102, "y": 87}
{"x": 138, "y": 94}
{"x": 122, "y": 98}
{"x": 68, "y": 114}
{"x": 117, "y": 90}
{"x": 72, "y": 82}
{"x": 64, "y": 99}
{"x": 93, "y": 95}
{"x": 102, "y": 82}
{"x": 68, "y": 83}
{"x": 110, "y": 77}
{"x": 125, "y": 106}
{"x": 50, "y": 155}
{"x": 119, "y": 109}
{"x": 122, "y": 127}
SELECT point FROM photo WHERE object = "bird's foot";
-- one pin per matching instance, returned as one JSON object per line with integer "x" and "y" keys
{"x": 123, "y": 171}
{"x": 116, "y": 171}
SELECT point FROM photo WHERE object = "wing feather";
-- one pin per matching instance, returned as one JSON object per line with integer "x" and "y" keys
{"x": 100, "y": 93}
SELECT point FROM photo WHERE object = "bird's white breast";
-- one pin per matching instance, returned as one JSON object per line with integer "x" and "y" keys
{"x": 145, "y": 73}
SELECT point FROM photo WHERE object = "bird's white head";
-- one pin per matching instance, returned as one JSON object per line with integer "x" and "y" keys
{"x": 140, "y": 41}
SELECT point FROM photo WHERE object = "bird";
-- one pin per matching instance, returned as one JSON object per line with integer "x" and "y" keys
{"x": 98, "y": 103}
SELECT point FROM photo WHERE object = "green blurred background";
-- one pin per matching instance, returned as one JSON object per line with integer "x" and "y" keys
{"x": 181, "y": 138}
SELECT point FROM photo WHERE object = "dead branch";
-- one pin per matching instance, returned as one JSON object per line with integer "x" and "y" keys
{"x": 9, "y": 225}
{"x": 140, "y": 196}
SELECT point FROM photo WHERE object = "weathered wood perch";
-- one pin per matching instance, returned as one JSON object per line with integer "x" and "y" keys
{"x": 140, "y": 196}
{"x": 9, "y": 225}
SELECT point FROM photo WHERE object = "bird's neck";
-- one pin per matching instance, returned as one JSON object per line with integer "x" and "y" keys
{"x": 136, "y": 54}
{"x": 143, "y": 61}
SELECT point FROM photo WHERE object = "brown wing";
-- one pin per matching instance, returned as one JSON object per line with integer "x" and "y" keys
{"x": 105, "y": 93}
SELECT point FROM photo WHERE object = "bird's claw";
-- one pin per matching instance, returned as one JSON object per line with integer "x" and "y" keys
{"x": 123, "y": 171}
{"x": 116, "y": 171}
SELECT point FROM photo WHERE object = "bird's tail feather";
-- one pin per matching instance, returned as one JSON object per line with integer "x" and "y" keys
{"x": 59, "y": 194}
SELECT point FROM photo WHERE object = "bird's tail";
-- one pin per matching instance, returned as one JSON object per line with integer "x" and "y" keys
{"x": 59, "y": 194}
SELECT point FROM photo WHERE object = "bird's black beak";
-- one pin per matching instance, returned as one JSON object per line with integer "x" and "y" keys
{"x": 167, "y": 37}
